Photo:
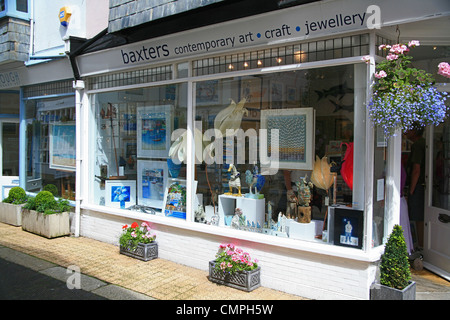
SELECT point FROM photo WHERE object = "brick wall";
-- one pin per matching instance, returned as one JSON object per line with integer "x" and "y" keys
{"x": 14, "y": 40}
{"x": 310, "y": 275}
{"x": 129, "y": 13}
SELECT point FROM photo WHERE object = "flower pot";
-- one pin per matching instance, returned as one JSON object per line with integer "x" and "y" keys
{"x": 242, "y": 280}
{"x": 381, "y": 292}
{"x": 11, "y": 213}
{"x": 47, "y": 225}
{"x": 143, "y": 251}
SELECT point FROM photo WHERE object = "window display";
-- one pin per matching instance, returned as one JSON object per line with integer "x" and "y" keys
{"x": 133, "y": 133}
{"x": 50, "y": 146}
{"x": 265, "y": 149}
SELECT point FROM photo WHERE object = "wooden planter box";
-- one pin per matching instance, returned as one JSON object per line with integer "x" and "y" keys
{"x": 381, "y": 292}
{"x": 49, "y": 226}
{"x": 11, "y": 213}
{"x": 143, "y": 251}
{"x": 242, "y": 280}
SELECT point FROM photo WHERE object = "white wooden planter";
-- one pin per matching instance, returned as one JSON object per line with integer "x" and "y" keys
{"x": 49, "y": 226}
{"x": 11, "y": 213}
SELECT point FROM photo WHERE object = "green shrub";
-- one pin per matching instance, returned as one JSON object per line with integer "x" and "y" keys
{"x": 16, "y": 195}
{"x": 51, "y": 188}
{"x": 46, "y": 203}
{"x": 394, "y": 267}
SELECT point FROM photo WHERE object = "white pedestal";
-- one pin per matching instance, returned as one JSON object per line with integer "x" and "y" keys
{"x": 305, "y": 231}
{"x": 252, "y": 209}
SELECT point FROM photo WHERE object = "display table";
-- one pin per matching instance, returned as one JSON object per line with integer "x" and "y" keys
{"x": 252, "y": 209}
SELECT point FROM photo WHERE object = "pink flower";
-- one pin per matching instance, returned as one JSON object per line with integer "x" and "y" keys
{"x": 391, "y": 56}
{"x": 380, "y": 74}
{"x": 413, "y": 43}
{"x": 145, "y": 224}
{"x": 399, "y": 49}
{"x": 366, "y": 59}
{"x": 133, "y": 234}
{"x": 444, "y": 69}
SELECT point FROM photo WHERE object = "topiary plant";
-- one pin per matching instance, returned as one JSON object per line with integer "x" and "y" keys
{"x": 394, "y": 268}
{"x": 45, "y": 202}
{"x": 16, "y": 195}
{"x": 52, "y": 188}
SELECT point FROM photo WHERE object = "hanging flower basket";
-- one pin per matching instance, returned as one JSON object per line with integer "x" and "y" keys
{"x": 404, "y": 97}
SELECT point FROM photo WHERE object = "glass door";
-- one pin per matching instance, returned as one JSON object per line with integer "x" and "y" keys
{"x": 436, "y": 251}
{"x": 9, "y": 164}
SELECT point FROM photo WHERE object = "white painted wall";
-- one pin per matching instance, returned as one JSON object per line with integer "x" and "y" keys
{"x": 309, "y": 275}
{"x": 89, "y": 17}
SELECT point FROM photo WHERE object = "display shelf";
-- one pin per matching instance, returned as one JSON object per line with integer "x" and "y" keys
{"x": 252, "y": 209}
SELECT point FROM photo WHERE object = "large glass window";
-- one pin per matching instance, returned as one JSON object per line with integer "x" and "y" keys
{"x": 311, "y": 112}
{"x": 130, "y": 167}
{"x": 50, "y": 146}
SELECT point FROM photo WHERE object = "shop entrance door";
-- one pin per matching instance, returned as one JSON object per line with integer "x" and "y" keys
{"x": 436, "y": 251}
{"x": 9, "y": 150}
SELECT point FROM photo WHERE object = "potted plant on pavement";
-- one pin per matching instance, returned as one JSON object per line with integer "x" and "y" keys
{"x": 395, "y": 274}
{"x": 46, "y": 216}
{"x": 11, "y": 206}
{"x": 138, "y": 242}
{"x": 404, "y": 96}
{"x": 235, "y": 268}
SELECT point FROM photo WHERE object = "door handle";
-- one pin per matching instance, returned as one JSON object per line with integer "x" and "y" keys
{"x": 444, "y": 218}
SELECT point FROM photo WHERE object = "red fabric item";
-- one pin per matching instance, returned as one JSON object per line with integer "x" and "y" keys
{"x": 347, "y": 165}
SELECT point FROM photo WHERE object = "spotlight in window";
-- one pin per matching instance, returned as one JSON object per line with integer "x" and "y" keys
{"x": 230, "y": 67}
{"x": 279, "y": 60}
{"x": 259, "y": 63}
{"x": 245, "y": 65}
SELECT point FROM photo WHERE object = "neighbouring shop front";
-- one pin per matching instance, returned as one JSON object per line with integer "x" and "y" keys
{"x": 167, "y": 123}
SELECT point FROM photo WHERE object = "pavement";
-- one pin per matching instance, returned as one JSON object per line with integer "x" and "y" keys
{"x": 78, "y": 268}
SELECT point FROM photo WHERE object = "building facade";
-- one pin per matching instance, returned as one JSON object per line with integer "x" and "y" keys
{"x": 174, "y": 95}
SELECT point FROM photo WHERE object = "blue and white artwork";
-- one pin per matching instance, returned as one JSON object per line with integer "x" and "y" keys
{"x": 152, "y": 181}
{"x": 63, "y": 146}
{"x": 120, "y": 193}
{"x": 295, "y": 128}
{"x": 154, "y": 129}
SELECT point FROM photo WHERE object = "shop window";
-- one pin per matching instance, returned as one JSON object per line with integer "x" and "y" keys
{"x": 132, "y": 137}
{"x": 313, "y": 112}
{"x": 50, "y": 146}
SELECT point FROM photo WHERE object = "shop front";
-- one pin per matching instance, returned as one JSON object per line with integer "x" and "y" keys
{"x": 255, "y": 133}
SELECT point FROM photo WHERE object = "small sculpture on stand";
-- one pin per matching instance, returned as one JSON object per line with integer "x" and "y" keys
{"x": 200, "y": 215}
{"x": 238, "y": 220}
{"x": 235, "y": 181}
{"x": 304, "y": 199}
{"x": 256, "y": 182}
{"x": 291, "y": 208}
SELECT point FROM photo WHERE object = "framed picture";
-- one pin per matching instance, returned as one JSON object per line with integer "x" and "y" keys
{"x": 62, "y": 148}
{"x": 296, "y": 136}
{"x": 152, "y": 182}
{"x": 154, "y": 128}
{"x": 175, "y": 198}
{"x": 348, "y": 227}
{"x": 207, "y": 92}
{"x": 120, "y": 193}
{"x": 276, "y": 95}
{"x": 253, "y": 91}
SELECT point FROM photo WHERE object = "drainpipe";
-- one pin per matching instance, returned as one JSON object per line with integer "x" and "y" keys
{"x": 78, "y": 85}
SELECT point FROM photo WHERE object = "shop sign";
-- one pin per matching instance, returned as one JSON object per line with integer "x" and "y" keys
{"x": 9, "y": 79}
{"x": 278, "y": 27}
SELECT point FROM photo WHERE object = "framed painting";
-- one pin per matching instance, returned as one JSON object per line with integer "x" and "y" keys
{"x": 154, "y": 128}
{"x": 296, "y": 136}
{"x": 62, "y": 146}
{"x": 152, "y": 182}
{"x": 120, "y": 193}
{"x": 348, "y": 227}
{"x": 175, "y": 198}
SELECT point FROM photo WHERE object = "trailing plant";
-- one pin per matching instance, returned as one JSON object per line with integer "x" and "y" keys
{"x": 231, "y": 259}
{"x": 46, "y": 203}
{"x": 404, "y": 97}
{"x": 16, "y": 195}
{"x": 135, "y": 234}
{"x": 394, "y": 268}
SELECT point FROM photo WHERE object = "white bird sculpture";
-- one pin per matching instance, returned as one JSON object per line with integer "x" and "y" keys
{"x": 227, "y": 122}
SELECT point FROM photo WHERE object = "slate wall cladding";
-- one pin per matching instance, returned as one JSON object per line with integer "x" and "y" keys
{"x": 129, "y": 13}
{"x": 14, "y": 40}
